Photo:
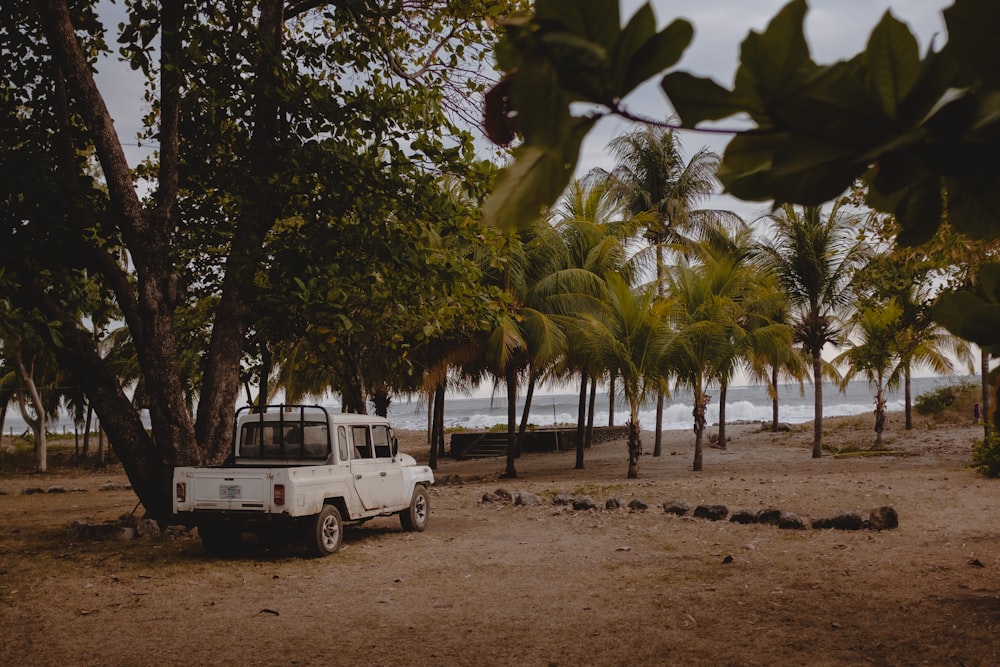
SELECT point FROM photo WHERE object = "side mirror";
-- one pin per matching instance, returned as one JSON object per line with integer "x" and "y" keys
{"x": 395, "y": 446}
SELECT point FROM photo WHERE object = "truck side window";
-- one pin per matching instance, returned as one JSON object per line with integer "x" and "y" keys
{"x": 380, "y": 436}
{"x": 342, "y": 443}
{"x": 362, "y": 442}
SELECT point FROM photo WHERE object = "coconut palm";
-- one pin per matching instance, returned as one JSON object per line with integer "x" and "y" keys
{"x": 653, "y": 177}
{"x": 873, "y": 351}
{"x": 814, "y": 256}
{"x": 629, "y": 336}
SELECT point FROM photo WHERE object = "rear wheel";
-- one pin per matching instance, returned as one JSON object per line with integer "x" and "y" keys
{"x": 326, "y": 532}
{"x": 414, "y": 518}
{"x": 220, "y": 537}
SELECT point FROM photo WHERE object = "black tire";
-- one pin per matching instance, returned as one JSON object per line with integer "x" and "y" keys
{"x": 326, "y": 532}
{"x": 414, "y": 518}
{"x": 220, "y": 537}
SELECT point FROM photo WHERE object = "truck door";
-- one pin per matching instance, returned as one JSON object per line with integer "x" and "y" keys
{"x": 365, "y": 468}
{"x": 389, "y": 468}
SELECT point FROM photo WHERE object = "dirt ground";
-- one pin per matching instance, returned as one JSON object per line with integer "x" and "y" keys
{"x": 498, "y": 584}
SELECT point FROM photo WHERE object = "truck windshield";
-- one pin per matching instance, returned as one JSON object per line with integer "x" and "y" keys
{"x": 287, "y": 440}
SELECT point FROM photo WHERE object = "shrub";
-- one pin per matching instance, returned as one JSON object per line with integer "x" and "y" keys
{"x": 950, "y": 401}
{"x": 986, "y": 455}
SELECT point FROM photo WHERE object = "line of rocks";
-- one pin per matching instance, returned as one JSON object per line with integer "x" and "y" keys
{"x": 124, "y": 528}
{"x": 880, "y": 518}
{"x": 34, "y": 490}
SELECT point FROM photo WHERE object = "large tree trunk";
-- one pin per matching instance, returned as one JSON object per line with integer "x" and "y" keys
{"x": 511, "y": 469}
{"x": 437, "y": 421}
{"x": 590, "y": 412}
{"x": 581, "y": 421}
{"x": 35, "y": 422}
{"x": 817, "y": 451}
{"x": 611, "y": 400}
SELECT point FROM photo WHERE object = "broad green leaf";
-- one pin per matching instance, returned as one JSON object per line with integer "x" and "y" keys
{"x": 696, "y": 99}
{"x": 774, "y": 63}
{"x": 974, "y": 211}
{"x": 537, "y": 177}
{"x": 598, "y": 21}
{"x": 893, "y": 63}
{"x": 640, "y": 28}
{"x": 745, "y": 165}
{"x": 919, "y": 213}
{"x": 660, "y": 52}
{"x": 581, "y": 65}
{"x": 968, "y": 316}
{"x": 973, "y": 26}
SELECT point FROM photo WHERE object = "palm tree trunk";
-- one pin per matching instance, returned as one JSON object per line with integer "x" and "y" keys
{"x": 658, "y": 434}
{"x": 519, "y": 447}
{"x": 817, "y": 405}
{"x": 698, "y": 412}
{"x": 611, "y": 400}
{"x": 437, "y": 424}
{"x": 634, "y": 443}
{"x": 722, "y": 415}
{"x": 988, "y": 416}
{"x": 774, "y": 401}
{"x": 511, "y": 470}
{"x": 908, "y": 406}
{"x": 879, "y": 417}
{"x": 580, "y": 421}
{"x": 590, "y": 414}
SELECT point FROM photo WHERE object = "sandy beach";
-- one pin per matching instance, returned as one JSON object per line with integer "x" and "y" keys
{"x": 491, "y": 582}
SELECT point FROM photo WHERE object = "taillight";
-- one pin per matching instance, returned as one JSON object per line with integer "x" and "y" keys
{"x": 181, "y": 492}
{"x": 279, "y": 494}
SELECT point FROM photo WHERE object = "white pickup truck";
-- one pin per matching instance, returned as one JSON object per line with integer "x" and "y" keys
{"x": 302, "y": 469}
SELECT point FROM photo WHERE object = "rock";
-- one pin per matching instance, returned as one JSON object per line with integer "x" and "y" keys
{"x": 175, "y": 532}
{"x": 769, "y": 515}
{"x": 504, "y": 494}
{"x": 883, "y": 518}
{"x": 147, "y": 528}
{"x": 110, "y": 486}
{"x": 677, "y": 507}
{"x": 637, "y": 505}
{"x": 613, "y": 503}
{"x": 584, "y": 503}
{"x": 57, "y": 489}
{"x": 744, "y": 517}
{"x": 842, "y": 521}
{"x": 711, "y": 512}
{"x": 790, "y": 521}
{"x": 490, "y": 498}
{"x": 526, "y": 499}
{"x": 31, "y": 490}
{"x": 562, "y": 499}
{"x": 447, "y": 480}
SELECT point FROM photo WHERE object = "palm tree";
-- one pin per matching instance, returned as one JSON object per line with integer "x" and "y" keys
{"x": 814, "y": 255}
{"x": 875, "y": 354}
{"x": 595, "y": 238}
{"x": 630, "y": 336}
{"x": 653, "y": 178}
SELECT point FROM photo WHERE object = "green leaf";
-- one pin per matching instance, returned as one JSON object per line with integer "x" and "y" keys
{"x": 639, "y": 29}
{"x": 659, "y": 52}
{"x": 696, "y": 99}
{"x": 893, "y": 63}
{"x": 537, "y": 177}
{"x": 972, "y": 210}
{"x": 919, "y": 212}
{"x": 598, "y": 21}
{"x": 973, "y": 26}
{"x": 775, "y": 62}
{"x": 968, "y": 316}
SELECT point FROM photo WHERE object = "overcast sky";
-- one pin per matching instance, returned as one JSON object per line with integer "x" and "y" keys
{"x": 836, "y": 29}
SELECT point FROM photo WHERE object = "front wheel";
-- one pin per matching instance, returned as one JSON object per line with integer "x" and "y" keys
{"x": 326, "y": 532}
{"x": 414, "y": 518}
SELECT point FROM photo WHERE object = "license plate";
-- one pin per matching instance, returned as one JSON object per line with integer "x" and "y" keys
{"x": 230, "y": 491}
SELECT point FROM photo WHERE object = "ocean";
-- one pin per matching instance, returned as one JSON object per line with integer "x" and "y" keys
{"x": 747, "y": 404}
